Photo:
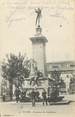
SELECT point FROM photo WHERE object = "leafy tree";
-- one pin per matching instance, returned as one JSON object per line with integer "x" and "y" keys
{"x": 15, "y": 69}
{"x": 56, "y": 83}
{"x": 56, "y": 78}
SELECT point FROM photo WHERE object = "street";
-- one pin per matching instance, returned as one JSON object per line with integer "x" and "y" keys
{"x": 14, "y": 109}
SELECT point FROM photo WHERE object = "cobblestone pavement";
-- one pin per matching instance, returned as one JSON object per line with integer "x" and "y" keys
{"x": 13, "y": 109}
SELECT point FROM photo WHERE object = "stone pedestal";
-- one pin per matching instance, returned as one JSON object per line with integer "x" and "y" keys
{"x": 38, "y": 48}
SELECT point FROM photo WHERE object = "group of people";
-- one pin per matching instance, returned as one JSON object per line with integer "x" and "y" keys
{"x": 34, "y": 94}
{"x": 44, "y": 97}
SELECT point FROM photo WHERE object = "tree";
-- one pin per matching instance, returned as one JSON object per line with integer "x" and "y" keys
{"x": 56, "y": 83}
{"x": 15, "y": 69}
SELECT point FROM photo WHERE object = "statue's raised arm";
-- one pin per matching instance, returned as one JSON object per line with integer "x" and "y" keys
{"x": 38, "y": 12}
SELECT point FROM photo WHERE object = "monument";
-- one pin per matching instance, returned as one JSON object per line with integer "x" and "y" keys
{"x": 38, "y": 44}
{"x": 39, "y": 55}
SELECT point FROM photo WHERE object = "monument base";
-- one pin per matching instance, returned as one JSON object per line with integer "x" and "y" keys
{"x": 63, "y": 102}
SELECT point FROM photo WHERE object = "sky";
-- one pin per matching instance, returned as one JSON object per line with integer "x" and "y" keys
{"x": 17, "y": 25}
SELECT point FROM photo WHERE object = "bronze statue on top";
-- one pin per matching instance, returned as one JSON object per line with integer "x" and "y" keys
{"x": 38, "y": 11}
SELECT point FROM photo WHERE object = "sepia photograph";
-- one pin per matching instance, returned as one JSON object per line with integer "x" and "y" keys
{"x": 37, "y": 58}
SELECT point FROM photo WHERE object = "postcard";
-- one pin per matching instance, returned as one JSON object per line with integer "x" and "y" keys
{"x": 37, "y": 58}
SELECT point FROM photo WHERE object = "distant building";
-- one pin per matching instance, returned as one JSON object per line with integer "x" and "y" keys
{"x": 63, "y": 66}
{"x": 67, "y": 70}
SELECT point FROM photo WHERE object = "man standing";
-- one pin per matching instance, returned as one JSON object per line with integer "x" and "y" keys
{"x": 33, "y": 94}
{"x": 44, "y": 97}
{"x": 3, "y": 96}
{"x": 17, "y": 94}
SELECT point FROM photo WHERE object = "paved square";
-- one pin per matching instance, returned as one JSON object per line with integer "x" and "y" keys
{"x": 14, "y": 109}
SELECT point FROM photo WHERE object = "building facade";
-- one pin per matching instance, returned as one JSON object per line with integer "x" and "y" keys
{"x": 67, "y": 70}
